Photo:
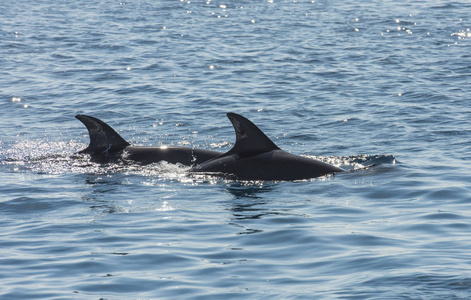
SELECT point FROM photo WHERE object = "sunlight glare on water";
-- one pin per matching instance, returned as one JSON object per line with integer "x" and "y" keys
{"x": 380, "y": 89}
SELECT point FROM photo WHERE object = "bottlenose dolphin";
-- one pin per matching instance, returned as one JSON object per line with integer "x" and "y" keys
{"x": 106, "y": 143}
{"x": 255, "y": 157}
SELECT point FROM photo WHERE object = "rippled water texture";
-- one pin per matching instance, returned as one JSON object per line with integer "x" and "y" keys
{"x": 380, "y": 88}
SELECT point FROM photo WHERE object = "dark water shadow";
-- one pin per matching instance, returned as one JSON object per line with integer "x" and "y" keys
{"x": 254, "y": 190}
{"x": 103, "y": 187}
{"x": 248, "y": 201}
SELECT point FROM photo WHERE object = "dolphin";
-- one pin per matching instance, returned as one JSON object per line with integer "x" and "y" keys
{"x": 106, "y": 143}
{"x": 255, "y": 157}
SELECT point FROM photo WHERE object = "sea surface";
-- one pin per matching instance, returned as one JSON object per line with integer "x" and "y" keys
{"x": 379, "y": 88}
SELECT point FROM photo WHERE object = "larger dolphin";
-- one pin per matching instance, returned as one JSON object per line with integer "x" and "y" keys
{"x": 255, "y": 157}
{"x": 105, "y": 142}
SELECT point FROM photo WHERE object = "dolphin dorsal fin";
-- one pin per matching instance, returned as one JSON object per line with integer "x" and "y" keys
{"x": 249, "y": 138}
{"x": 103, "y": 138}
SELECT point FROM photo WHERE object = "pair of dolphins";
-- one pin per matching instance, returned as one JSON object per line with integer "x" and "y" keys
{"x": 253, "y": 157}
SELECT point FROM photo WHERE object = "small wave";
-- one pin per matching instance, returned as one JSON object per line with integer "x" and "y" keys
{"x": 357, "y": 162}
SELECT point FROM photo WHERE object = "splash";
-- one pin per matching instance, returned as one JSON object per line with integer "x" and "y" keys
{"x": 60, "y": 158}
{"x": 357, "y": 162}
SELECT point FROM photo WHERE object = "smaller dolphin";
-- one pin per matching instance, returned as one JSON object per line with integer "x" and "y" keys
{"x": 106, "y": 143}
{"x": 255, "y": 157}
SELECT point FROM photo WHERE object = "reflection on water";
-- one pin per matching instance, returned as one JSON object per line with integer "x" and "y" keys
{"x": 248, "y": 202}
{"x": 101, "y": 186}
{"x": 249, "y": 190}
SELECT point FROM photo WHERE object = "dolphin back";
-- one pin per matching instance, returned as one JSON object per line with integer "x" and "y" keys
{"x": 255, "y": 157}
{"x": 103, "y": 138}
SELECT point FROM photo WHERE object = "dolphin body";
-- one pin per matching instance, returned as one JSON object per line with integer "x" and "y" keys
{"x": 255, "y": 157}
{"x": 106, "y": 143}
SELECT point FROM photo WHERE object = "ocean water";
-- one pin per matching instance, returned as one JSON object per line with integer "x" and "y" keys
{"x": 380, "y": 88}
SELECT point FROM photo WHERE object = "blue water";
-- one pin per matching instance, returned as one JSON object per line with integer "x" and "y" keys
{"x": 380, "y": 88}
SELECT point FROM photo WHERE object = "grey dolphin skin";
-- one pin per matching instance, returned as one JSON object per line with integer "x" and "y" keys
{"x": 255, "y": 157}
{"x": 106, "y": 143}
